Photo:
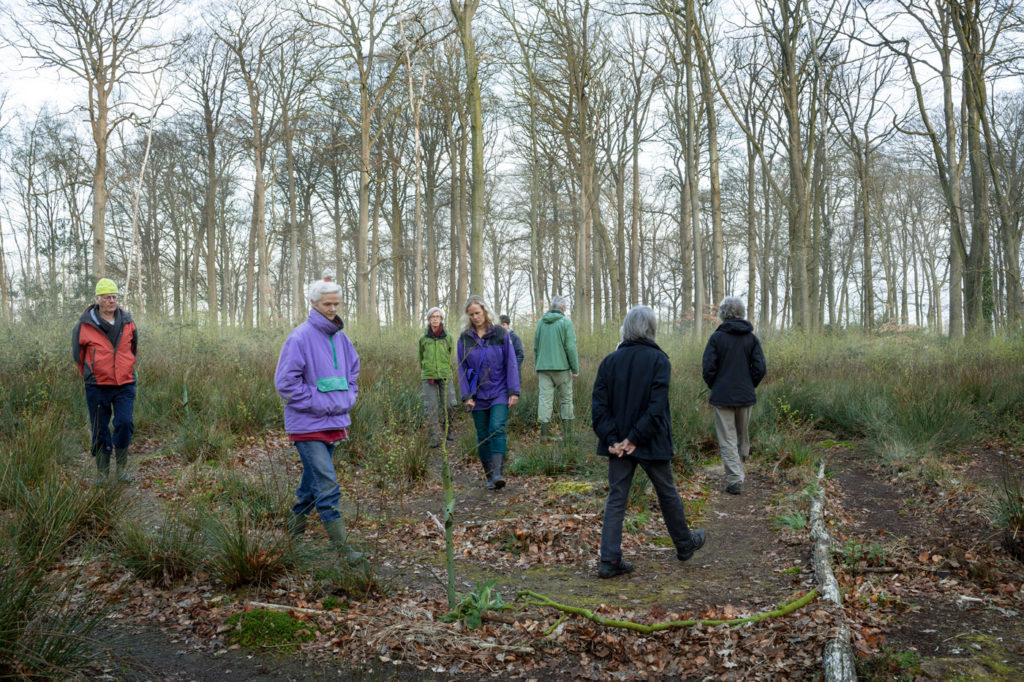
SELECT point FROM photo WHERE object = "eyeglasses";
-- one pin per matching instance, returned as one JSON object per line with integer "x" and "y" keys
{"x": 108, "y": 298}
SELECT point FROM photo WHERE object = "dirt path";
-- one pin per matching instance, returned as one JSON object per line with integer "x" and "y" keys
{"x": 923, "y": 568}
{"x": 539, "y": 534}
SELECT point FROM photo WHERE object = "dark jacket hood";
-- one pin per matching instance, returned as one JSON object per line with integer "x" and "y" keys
{"x": 736, "y": 327}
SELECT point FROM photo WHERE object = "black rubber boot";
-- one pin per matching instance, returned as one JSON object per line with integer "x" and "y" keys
{"x": 497, "y": 465}
{"x": 545, "y": 432}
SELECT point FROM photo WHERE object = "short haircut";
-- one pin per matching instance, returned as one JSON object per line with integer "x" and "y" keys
{"x": 640, "y": 323}
{"x": 731, "y": 308}
{"x": 560, "y": 302}
{"x": 479, "y": 300}
{"x": 318, "y": 288}
{"x": 505, "y": 319}
{"x": 433, "y": 310}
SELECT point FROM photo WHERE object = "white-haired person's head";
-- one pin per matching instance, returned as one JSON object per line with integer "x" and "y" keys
{"x": 317, "y": 290}
{"x": 559, "y": 303}
{"x": 640, "y": 323}
{"x": 731, "y": 308}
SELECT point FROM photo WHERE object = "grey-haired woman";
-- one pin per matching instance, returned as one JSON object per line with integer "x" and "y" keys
{"x": 630, "y": 412}
{"x": 435, "y": 354}
{"x": 733, "y": 366}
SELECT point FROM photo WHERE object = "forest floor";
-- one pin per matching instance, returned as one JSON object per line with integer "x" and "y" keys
{"x": 929, "y": 592}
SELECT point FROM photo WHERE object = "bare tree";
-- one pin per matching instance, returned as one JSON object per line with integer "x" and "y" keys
{"x": 102, "y": 43}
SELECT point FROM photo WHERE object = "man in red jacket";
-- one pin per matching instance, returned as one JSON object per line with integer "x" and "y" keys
{"x": 104, "y": 345}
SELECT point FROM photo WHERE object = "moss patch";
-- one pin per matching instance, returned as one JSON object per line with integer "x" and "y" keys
{"x": 268, "y": 629}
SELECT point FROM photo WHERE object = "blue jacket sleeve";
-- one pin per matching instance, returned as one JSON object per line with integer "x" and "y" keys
{"x": 463, "y": 378}
{"x": 289, "y": 380}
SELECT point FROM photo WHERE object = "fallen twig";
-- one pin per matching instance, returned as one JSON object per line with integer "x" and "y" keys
{"x": 537, "y": 599}
{"x": 285, "y": 608}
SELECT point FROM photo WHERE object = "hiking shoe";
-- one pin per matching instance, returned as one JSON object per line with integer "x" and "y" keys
{"x": 697, "y": 538}
{"x": 734, "y": 488}
{"x": 610, "y": 569}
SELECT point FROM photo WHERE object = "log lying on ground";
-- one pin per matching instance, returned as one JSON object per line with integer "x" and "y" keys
{"x": 536, "y": 599}
{"x": 837, "y": 658}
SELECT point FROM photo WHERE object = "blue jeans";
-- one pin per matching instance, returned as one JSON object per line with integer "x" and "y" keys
{"x": 620, "y": 477}
{"x": 319, "y": 485}
{"x": 490, "y": 432}
{"x": 107, "y": 401}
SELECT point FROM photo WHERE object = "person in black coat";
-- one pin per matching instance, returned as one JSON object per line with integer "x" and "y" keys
{"x": 733, "y": 366}
{"x": 630, "y": 412}
{"x": 517, "y": 344}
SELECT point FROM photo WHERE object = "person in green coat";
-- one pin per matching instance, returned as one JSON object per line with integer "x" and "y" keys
{"x": 435, "y": 352}
{"x": 557, "y": 364}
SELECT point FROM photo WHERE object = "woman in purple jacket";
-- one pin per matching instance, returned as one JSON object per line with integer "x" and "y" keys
{"x": 316, "y": 375}
{"x": 489, "y": 379}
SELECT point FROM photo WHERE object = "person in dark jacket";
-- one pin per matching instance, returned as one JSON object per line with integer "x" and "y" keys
{"x": 733, "y": 366}
{"x": 317, "y": 376}
{"x": 104, "y": 345}
{"x": 435, "y": 354}
{"x": 517, "y": 344}
{"x": 630, "y": 412}
{"x": 489, "y": 380}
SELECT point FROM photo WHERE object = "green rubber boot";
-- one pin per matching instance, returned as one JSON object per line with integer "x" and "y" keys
{"x": 102, "y": 466}
{"x": 339, "y": 539}
{"x": 545, "y": 432}
{"x": 567, "y": 432}
{"x": 121, "y": 455}
{"x": 297, "y": 525}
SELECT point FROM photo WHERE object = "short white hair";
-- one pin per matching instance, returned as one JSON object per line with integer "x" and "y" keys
{"x": 560, "y": 302}
{"x": 433, "y": 310}
{"x": 327, "y": 273}
{"x": 317, "y": 290}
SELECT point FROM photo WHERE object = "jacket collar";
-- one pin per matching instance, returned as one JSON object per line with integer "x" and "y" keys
{"x": 641, "y": 342}
{"x": 329, "y": 327}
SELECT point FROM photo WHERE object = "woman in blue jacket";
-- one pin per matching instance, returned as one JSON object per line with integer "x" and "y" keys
{"x": 489, "y": 380}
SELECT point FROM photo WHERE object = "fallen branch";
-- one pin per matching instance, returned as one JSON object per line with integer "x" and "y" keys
{"x": 285, "y": 608}
{"x": 837, "y": 658}
{"x": 536, "y": 599}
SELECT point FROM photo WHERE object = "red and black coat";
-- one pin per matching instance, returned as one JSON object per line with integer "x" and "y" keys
{"x": 105, "y": 360}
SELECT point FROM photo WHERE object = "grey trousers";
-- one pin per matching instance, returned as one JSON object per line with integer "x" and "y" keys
{"x": 552, "y": 384}
{"x": 620, "y": 476}
{"x": 436, "y": 397}
{"x": 733, "y": 440}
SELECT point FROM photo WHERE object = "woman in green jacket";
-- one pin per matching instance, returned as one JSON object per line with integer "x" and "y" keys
{"x": 436, "y": 374}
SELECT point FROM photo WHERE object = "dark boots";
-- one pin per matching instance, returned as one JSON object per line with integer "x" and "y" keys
{"x": 493, "y": 469}
{"x": 545, "y": 432}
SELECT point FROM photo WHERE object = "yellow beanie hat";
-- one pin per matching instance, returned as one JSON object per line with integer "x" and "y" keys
{"x": 105, "y": 286}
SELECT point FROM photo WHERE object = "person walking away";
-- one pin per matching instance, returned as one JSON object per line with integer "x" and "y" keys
{"x": 733, "y": 365}
{"x": 557, "y": 363}
{"x": 517, "y": 344}
{"x": 435, "y": 354}
{"x": 104, "y": 345}
{"x": 632, "y": 420}
{"x": 317, "y": 376}
{"x": 489, "y": 381}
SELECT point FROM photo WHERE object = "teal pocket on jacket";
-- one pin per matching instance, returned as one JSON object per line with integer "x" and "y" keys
{"x": 327, "y": 384}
